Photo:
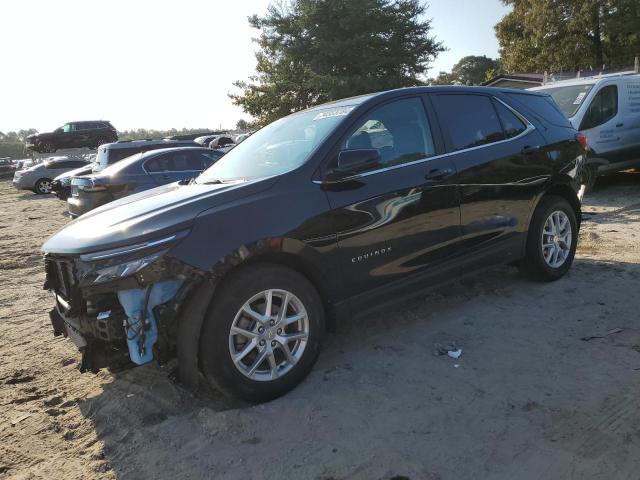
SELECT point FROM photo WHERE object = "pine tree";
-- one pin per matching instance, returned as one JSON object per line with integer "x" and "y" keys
{"x": 314, "y": 51}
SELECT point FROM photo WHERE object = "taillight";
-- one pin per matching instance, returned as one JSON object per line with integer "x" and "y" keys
{"x": 95, "y": 186}
{"x": 584, "y": 141}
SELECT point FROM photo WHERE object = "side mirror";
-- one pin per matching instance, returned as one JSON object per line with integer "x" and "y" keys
{"x": 352, "y": 162}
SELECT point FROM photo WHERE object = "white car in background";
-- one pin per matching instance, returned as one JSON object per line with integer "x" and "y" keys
{"x": 606, "y": 109}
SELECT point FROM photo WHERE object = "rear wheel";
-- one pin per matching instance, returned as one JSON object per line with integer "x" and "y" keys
{"x": 551, "y": 241}
{"x": 42, "y": 186}
{"x": 47, "y": 147}
{"x": 262, "y": 334}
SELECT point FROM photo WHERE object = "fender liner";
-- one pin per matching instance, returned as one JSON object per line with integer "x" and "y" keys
{"x": 189, "y": 326}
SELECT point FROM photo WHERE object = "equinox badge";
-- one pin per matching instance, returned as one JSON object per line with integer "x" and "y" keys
{"x": 368, "y": 255}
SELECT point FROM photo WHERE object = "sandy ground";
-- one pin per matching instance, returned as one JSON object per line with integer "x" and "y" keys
{"x": 528, "y": 398}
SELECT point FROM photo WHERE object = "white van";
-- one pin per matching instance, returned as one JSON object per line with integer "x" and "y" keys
{"x": 606, "y": 109}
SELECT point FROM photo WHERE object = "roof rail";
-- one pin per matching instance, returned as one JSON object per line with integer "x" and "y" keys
{"x": 579, "y": 76}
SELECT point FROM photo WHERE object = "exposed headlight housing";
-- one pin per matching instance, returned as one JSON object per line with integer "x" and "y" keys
{"x": 107, "y": 265}
{"x": 121, "y": 270}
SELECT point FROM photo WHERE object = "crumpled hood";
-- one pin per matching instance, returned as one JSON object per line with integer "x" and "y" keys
{"x": 146, "y": 215}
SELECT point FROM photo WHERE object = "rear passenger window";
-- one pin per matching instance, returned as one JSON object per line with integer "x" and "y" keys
{"x": 511, "y": 124}
{"x": 398, "y": 130}
{"x": 157, "y": 164}
{"x": 170, "y": 162}
{"x": 202, "y": 161}
{"x": 471, "y": 119}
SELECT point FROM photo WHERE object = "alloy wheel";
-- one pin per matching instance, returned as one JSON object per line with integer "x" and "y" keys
{"x": 44, "y": 186}
{"x": 556, "y": 239}
{"x": 268, "y": 335}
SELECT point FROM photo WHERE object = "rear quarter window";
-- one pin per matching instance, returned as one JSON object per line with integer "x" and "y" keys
{"x": 541, "y": 106}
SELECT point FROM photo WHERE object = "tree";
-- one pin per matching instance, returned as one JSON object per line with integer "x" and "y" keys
{"x": 558, "y": 35}
{"x": 314, "y": 51}
{"x": 23, "y": 134}
{"x": 470, "y": 70}
{"x": 443, "y": 78}
{"x": 242, "y": 125}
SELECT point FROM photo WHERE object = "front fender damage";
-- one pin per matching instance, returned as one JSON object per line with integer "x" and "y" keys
{"x": 127, "y": 322}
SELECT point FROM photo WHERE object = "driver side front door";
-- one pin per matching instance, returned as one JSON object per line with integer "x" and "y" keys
{"x": 397, "y": 225}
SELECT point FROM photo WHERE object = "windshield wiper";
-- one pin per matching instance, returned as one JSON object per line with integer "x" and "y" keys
{"x": 226, "y": 180}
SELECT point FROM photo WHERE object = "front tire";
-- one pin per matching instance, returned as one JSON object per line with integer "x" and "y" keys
{"x": 262, "y": 333}
{"x": 551, "y": 241}
{"x": 42, "y": 186}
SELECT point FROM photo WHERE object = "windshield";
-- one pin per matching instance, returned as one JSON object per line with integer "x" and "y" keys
{"x": 569, "y": 98}
{"x": 278, "y": 148}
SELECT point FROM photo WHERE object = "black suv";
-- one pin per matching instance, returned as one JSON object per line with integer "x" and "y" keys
{"x": 90, "y": 134}
{"x": 323, "y": 214}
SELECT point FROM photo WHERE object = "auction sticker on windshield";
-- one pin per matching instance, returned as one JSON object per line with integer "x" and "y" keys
{"x": 333, "y": 112}
{"x": 579, "y": 98}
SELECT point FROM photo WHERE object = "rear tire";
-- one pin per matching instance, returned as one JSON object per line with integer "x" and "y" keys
{"x": 47, "y": 147}
{"x": 42, "y": 186}
{"x": 551, "y": 241}
{"x": 262, "y": 369}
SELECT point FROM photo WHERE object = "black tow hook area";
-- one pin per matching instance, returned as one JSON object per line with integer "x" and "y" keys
{"x": 97, "y": 354}
{"x": 58, "y": 323}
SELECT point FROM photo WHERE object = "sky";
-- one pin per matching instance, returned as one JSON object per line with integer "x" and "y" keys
{"x": 162, "y": 64}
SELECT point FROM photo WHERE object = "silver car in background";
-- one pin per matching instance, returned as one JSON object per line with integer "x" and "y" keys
{"x": 38, "y": 178}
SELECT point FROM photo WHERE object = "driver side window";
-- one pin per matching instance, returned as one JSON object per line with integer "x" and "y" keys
{"x": 66, "y": 128}
{"x": 604, "y": 107}
{"x": 398, "y": 130}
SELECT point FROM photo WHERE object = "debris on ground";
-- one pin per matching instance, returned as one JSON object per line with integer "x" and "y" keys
{"x": 16, "y": 421}
{"x": 610, "y": 332}
{"x": 452, "y": 350}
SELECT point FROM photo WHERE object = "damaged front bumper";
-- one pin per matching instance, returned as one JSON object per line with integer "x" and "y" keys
{"x": 119, "y": 309}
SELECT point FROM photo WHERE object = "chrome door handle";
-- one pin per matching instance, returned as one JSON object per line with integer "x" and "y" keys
{"x": 528, "y": 149}
{"x": 438, "y": 173}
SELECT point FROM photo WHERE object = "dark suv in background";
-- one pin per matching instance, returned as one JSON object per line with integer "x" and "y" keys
{"x": 87, "y": 134}
{"x": 327, "y": 213}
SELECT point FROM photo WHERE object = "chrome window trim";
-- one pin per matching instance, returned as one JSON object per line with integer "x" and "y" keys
{"x": 529, "y": 128}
